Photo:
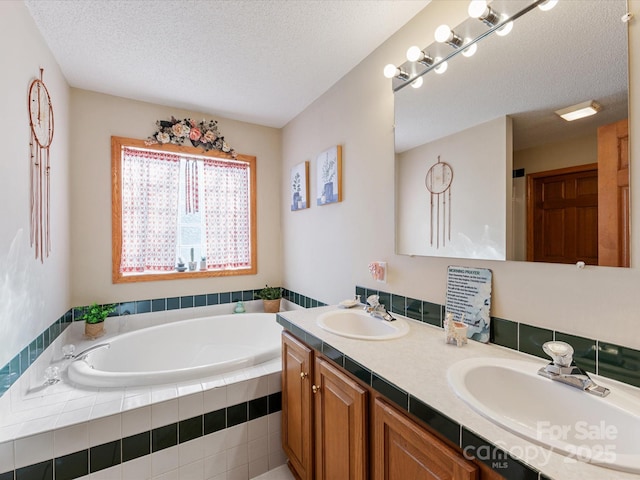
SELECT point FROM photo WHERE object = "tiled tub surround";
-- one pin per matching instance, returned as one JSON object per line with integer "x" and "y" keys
{"x": 411, "y": 371}
{"x": 14, "y": 369}
{"x": 226, "y": 425}
{"x": 595, "y": 356}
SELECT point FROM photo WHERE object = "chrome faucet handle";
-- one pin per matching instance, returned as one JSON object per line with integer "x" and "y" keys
{"x": 560, "y": 352}
{"x": 373, "y": 300}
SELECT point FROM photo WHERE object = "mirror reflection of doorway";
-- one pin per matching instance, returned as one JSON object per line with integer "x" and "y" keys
{"x": 581, "y": 213}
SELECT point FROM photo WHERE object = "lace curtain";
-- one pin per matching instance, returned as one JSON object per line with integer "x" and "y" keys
{"x": 226, "y": 209}
{"x": 149, "y": 210}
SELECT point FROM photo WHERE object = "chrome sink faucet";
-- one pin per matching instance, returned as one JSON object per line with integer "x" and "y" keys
{"x": 376, "y": 309}
{"x": 563, "y": 369}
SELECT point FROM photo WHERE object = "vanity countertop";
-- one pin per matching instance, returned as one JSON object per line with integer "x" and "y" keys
{"x": 418, "y": 363}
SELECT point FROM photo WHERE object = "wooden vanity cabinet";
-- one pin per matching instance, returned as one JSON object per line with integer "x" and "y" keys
{"x": 322, "y": 407}
{"x": 341, "y": 434}
{"x": 336, "y": 428}
{"x": 402, "y": 450}
{"x": 297, "y": 408}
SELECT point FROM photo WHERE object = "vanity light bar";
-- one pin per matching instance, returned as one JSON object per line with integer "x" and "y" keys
{"x": 580, "y": 110}
{"x": 406, "y": 74}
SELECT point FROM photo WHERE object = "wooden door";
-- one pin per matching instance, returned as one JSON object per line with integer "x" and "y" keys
{"x": 340, "y": 425}
{"x": 297, "y": 406}
{"x": 562, "y": 215}
{"x": 403, "y": 450}
{"x": 613, "y": 194}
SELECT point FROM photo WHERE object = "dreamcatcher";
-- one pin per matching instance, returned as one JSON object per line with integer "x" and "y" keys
{"x": 41, "y": 123}
{"x": 438, "y": 183}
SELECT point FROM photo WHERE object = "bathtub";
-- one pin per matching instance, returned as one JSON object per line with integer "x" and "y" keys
{"x": 180, "y": 351}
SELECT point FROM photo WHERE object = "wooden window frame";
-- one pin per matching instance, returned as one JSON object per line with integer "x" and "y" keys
{"x": 117, "y": 143}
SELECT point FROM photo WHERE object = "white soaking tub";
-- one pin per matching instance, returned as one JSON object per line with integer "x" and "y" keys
{"x": 180, "y": 351}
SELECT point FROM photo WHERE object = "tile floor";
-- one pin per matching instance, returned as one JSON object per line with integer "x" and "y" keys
{"x": 280, "y": 473}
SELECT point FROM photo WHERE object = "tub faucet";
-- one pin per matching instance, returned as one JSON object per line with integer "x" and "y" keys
{"x": 83, "y": 354}
{"x": 563, "y": 369}
{"x": 376, "y": 309}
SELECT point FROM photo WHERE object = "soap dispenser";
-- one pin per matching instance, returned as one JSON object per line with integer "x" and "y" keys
{"x": 239, "y": 307}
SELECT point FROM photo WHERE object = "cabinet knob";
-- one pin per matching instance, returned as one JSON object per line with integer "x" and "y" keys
{"x": 303, "y": 375}
{"x": 315, "y": 388}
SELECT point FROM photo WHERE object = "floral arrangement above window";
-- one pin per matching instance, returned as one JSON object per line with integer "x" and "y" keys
{"x": 204, "y": 134}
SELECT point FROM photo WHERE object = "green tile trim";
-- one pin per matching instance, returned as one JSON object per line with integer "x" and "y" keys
{"x": 584, "y": 350}
{"x": 619, "y": 363}
{"x": 10, "y": 372}
{"x": 119, "y": 451}
{"x": 531, "y": 339}
{"x": 504, "y": 333}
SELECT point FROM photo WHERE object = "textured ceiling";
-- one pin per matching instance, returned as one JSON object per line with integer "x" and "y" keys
{"x": 260, "y": 61}
{"x": 573, "y": 53}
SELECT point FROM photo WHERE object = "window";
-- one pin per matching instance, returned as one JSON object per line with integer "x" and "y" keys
{"x": 179, "y": 212}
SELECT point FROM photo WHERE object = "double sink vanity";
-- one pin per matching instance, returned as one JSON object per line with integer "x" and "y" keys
{"x": 364, "y": 397}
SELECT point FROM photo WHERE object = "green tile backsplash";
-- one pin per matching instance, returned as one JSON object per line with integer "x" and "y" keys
{"x": 606, "y": 359}
{"x": 531, "y": 340}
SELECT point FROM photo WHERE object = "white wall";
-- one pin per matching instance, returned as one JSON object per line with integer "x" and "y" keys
{"x": 94, "y": 119}
{"x": 32, "y": 294}
{"x": 468, "y": 220}
{"x": 327, "y": 249}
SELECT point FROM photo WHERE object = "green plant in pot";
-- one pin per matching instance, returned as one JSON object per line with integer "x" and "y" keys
{"x": 94, "y": 316}
{"x": 270, "y": 298}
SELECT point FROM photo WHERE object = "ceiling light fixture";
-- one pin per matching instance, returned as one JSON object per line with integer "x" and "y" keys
{"x": 442, "y": 67}
{"x": 471, "y": 49}
{"x": 480, "y": 10}
{"x": 444, "y": 34}
{"x": 417, "y": 83}
{"x": 414, "y": 54}
{"x": 548, "y": 5}
{"x": 391, "y": 71}
{"x": 580, "y": 110}
{"x": 498, "y": 23}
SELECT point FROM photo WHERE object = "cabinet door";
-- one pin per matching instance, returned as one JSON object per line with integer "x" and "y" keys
{"x": 340, "y": 425}
{"x": 404, "y": 450}
{"x": 297, "y": 413}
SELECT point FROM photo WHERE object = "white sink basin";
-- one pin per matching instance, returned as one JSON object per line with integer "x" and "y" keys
{"x": 359, "y": 324}
{"x": 603, "y": 431}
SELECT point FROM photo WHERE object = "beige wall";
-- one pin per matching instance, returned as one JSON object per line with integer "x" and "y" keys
{"x": 575, "y": 151}
{"x": 32, "y": 294}
{"x": 569, "y": 153}
{"x": 94, "y": 119}
{"x": 328, "y": 248}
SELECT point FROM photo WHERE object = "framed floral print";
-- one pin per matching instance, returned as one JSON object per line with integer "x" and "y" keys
{"x": 299, "y": 186}
{"x": 329, "y": 176}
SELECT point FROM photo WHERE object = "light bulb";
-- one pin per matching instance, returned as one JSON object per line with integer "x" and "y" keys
{"x": 502, "y": 31}
{"x": 477, "y": 8}
{"x": 442, "y": 33}
{"x": 470, "y": 50}
{"x": 414, "y": 53}
{"x": 548, "y": 5}
{"x": 417, "y": 83}
{"x": 390, "y": 70}
{"x": 440, "y": 68}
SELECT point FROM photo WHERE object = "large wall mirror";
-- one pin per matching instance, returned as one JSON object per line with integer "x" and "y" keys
{"x": 495, "y": 112}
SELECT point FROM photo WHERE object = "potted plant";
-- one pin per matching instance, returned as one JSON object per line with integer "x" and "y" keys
{"x": 203, "y": 263}
{"x": 270, "y": 298}
{"x": 94, "y": 316}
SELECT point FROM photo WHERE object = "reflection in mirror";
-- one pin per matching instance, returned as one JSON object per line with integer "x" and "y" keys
{"x": 574, "y": 53}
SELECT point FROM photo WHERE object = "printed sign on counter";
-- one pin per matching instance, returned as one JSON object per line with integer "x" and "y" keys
{"x": 469, "y": 299}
